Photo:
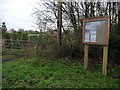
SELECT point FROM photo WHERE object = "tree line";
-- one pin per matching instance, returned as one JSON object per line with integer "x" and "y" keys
{"x": 13, "y": 34}
{"x": 71, "y": 34}
{"x": 71, "y": 29}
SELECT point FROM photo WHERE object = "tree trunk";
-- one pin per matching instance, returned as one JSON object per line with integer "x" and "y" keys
{"x": 86, "y": 9}
{"x": 59, "y": 22}
{"x": 119, "y": 14}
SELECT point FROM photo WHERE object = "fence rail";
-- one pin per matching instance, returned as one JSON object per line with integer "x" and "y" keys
{"x": 17, "y": 44}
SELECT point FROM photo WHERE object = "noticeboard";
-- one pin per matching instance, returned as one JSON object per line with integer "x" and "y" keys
{"x": 96, "y": 30}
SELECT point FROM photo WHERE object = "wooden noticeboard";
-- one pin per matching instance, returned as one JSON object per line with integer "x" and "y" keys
{"x": 96, "y": 31}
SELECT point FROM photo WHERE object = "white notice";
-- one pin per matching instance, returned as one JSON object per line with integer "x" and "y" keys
{"x": 87, "y": 35}
{"x": 93, "y": 38}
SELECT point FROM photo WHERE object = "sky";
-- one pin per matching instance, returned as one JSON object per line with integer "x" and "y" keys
{"x": 18, "y": 14}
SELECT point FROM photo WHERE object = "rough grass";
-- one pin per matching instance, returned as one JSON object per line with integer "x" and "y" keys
{"x": 54, "y": 73}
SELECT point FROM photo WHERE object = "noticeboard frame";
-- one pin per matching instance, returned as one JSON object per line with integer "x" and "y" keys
{"x": 93, "y": 19}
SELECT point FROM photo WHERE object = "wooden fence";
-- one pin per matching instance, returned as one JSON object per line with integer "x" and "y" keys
{"x": 14, "y": 49}
{"x": 17, "y": 44}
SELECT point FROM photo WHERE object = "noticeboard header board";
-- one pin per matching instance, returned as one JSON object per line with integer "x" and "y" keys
{"x": 96, "y": 30}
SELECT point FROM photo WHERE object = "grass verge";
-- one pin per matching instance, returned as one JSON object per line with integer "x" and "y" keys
{"x": 54, "y": 73}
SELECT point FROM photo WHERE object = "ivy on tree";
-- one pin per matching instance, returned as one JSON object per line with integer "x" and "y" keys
{"x": 4, "y": 29}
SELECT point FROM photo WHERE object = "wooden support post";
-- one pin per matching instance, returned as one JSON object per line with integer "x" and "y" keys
{"x": 105, "y": 53}
{"x": 85, "y": 57}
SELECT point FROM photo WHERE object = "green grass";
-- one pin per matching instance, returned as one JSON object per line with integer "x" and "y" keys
{"x": 54, "y": 73}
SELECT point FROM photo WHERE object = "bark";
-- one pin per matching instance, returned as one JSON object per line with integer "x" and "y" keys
{"x": 59, "y": 22}
{"x": 119, "y": 14}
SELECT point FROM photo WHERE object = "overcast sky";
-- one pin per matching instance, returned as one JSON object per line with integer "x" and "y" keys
{"x": 17, "y": 13}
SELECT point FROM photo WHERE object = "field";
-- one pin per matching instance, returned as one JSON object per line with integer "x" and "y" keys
{"x": 55, "y": 73}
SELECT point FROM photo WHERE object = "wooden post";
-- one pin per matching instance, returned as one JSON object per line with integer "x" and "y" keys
{"x": 85, "y": 57}
{"x": 105, "y": 53}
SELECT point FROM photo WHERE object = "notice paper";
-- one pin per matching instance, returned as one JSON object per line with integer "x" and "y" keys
{"x": 93, "y": 38}
{"x": 87, "y": 35}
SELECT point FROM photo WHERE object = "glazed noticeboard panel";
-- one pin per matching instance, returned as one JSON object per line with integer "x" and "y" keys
{"x": 96, "y": 31}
